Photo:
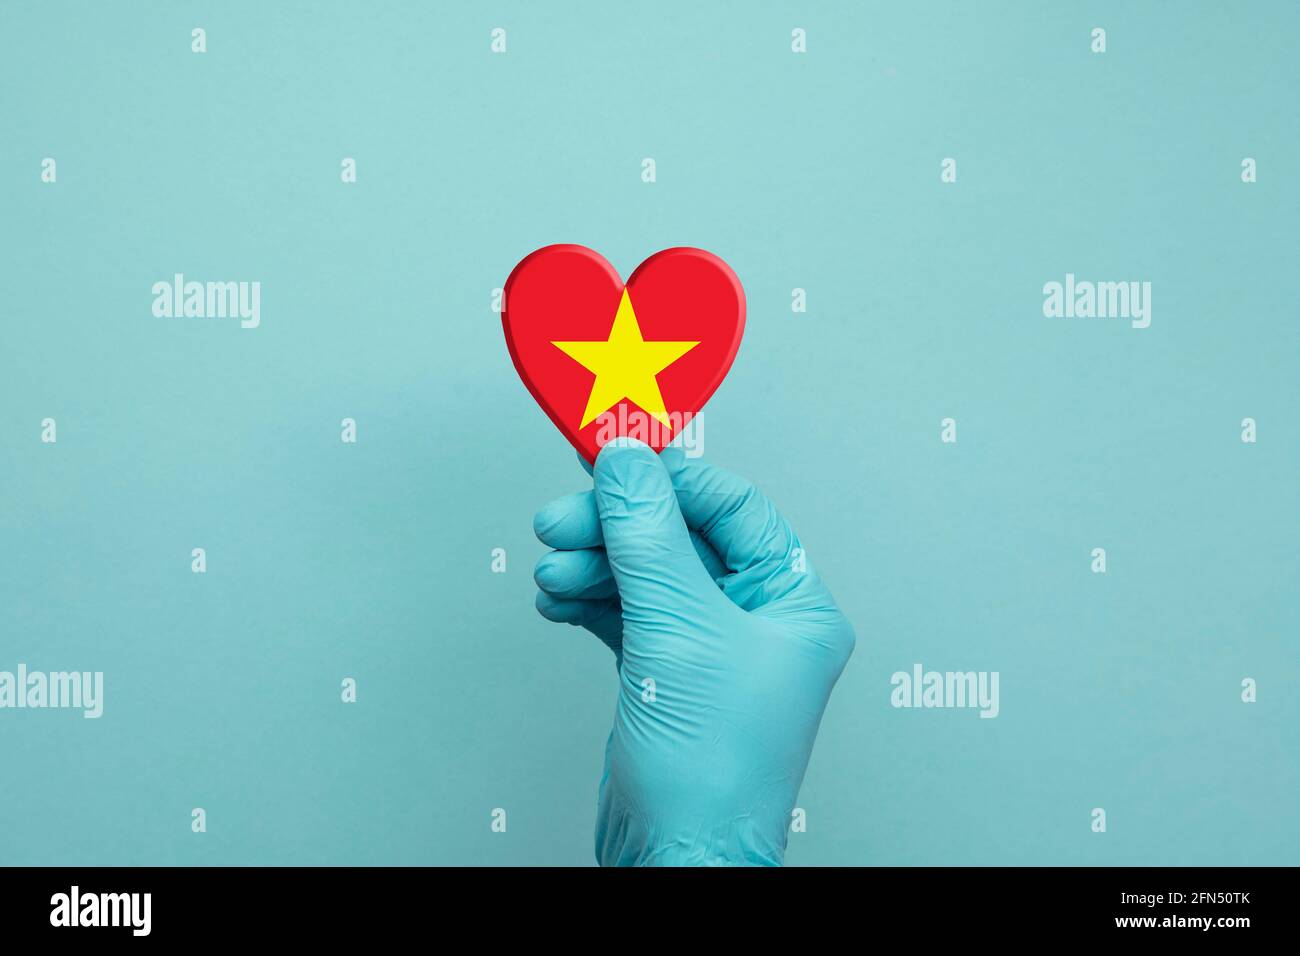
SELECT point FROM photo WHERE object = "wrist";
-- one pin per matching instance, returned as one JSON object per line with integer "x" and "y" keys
{"x": 735, "y": 843}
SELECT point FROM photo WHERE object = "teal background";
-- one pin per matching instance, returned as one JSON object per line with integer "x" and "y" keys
{"x": 819, "y": 171}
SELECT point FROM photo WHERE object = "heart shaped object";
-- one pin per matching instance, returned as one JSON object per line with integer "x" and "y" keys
{"x": 606, "y": 359}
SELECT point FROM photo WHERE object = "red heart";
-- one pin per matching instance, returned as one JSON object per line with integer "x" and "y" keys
{"x": 570, "y": 295}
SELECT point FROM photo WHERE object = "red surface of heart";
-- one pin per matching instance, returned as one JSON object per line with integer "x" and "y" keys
{"x": 641, "y": 367}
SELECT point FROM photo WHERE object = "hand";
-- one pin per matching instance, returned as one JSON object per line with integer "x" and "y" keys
{"x": 727, "y": 646}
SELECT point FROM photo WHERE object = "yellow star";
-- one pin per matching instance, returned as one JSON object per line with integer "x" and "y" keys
{"x": 625, "y": 366}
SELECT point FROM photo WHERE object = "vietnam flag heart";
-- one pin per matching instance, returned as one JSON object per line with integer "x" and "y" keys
{"x": 606, "y": 358}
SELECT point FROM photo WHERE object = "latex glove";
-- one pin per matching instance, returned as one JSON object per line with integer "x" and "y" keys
{"x": 727, "y": 644}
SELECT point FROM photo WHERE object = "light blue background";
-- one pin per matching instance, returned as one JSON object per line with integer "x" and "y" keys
{"x": 819, "y": 171}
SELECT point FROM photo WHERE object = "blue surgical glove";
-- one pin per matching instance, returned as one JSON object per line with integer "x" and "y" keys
{"x": 727, "y": 645}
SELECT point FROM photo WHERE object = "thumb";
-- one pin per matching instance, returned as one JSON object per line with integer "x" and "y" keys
{"x": 655, "y": 565}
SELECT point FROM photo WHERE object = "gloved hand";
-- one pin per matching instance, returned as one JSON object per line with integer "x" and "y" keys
{"x": 727, "y": 646}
